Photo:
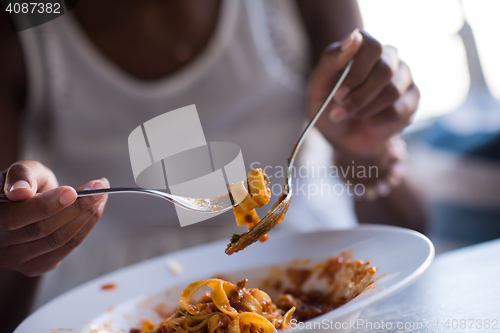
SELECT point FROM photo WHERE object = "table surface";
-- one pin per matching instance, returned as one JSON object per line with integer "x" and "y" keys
{"x": 459, "y": 285}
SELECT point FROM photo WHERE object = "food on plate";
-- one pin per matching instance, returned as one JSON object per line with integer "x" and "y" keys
{"x": 254, "y": 193}
{"x": 233, "y": 308}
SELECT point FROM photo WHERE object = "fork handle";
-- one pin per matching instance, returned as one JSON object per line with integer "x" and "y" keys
{"x": 313, "y": 121}
{"x": 114, "y": 190}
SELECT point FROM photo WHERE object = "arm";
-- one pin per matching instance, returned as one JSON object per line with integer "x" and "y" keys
{"x": 328, "y": 21}
{"x": 16, "y": 290}
{"x": 40, "y": 227}
{"x": 12, "y": 90}
{"x": 404, "y": 206}
{"x": 378, "y": 104}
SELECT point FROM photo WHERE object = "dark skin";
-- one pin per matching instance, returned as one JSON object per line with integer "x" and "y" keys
{"x": 150, "y": 40}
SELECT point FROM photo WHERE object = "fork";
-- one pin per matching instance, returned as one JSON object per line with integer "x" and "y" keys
{"x": 279, "y": 209}
{"x": 215, "y": 205}
{"x": 224, "y": 202}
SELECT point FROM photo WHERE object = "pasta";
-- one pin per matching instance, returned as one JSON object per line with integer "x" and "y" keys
{"x": 257, "y": 195}
{"x": 228, "y": 308}
{"x": 232, "y": 308}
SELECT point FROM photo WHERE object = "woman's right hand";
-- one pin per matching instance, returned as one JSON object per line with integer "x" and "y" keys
{"x": 45, "y": 222}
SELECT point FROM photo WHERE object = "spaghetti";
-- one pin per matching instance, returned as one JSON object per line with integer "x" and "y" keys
{"x": 228, "y": 308}
{"x": 232, "y": 308}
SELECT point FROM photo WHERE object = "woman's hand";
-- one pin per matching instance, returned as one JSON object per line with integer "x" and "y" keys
{"x": 46, "y": 222}
{"x": 376, "y": 100}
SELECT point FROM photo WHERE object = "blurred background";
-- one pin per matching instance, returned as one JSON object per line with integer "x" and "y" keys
{"x": 452, "y": 49}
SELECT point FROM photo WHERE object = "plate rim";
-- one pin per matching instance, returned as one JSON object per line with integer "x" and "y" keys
{"x": 406, "y": 282}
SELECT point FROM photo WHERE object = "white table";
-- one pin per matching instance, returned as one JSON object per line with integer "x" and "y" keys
{"x": 460, "y": 285}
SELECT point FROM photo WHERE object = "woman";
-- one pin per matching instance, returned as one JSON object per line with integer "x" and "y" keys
{"x": 77, "y": 86}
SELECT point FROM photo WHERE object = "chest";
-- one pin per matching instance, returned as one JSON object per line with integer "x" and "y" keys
{"x": 149, "y": 39}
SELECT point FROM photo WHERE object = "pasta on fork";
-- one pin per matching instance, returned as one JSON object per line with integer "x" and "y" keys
{"x": 257, "y": 195}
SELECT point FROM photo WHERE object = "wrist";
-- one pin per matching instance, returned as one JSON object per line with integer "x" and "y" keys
{"x": 369, "y": 167}
{"x": 376, "y": 175}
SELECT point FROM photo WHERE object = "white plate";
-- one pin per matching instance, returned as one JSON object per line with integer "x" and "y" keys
{"x": 399, "y": 253}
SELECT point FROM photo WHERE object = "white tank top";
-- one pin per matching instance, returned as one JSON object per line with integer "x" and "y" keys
{"x": 248, "y": 86}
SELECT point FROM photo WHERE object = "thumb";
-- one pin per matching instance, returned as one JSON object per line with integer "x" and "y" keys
{"x": 332, "y": 64}
{"x": 337, "y": 55}
{"x": 25, "y": 178}
{"x": 350, "y": 46}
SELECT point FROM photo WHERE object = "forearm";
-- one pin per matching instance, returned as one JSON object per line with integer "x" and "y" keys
{"x": 398, "y": 203}
{"x": 328, "y": 21}
{"x": 403, "y": 207}
{"x": 17, "y": 293}
{"x": 9, "y": 133}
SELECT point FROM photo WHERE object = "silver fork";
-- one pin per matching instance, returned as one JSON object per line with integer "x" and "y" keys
{"x": 281, "y": 206}
{"x": 205, "y": 206}
{"x": 223, "y": 203}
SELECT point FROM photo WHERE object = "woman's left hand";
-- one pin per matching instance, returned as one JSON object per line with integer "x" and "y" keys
{"x": 376, "y": 100}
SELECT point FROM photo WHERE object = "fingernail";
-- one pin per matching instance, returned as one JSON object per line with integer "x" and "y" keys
{"x": 105, "y": 181}
{"x": 67, "y": 197}
{"x": 98, "y": 185}
{"x": 338, "y": 114}
{"x": 19, "y": 185}
{"x": 350, "y": 40}
{"x": 341, "y": 93}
